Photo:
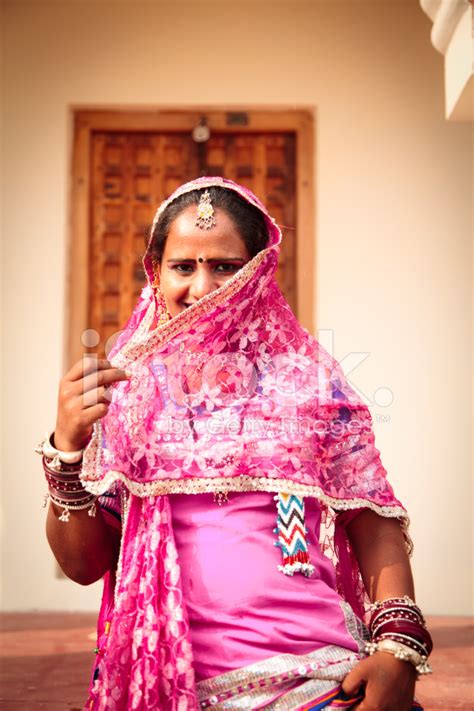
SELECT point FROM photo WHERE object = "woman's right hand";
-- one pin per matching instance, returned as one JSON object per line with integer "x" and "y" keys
{"x": 83, "y": 400}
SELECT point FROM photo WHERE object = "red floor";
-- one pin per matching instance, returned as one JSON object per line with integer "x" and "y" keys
{"x": 46, "y": 660}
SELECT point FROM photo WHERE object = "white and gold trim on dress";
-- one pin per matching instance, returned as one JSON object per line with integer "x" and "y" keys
{"x": 284, "y": 682}
{"x": 93, "y": 481}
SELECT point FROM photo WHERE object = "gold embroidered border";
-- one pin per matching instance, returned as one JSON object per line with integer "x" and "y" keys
{"x": 92, "y": 481}
{"x": 355, "y": 627}
{"x": 304, "y": 676}
{"x": 125, "y": 506}
{"x": 244, "y": 483}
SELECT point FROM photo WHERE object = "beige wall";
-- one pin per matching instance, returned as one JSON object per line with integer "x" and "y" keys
{"x": 393, "y": 193}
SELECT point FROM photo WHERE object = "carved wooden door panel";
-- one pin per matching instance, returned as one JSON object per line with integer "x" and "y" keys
{"x": 265, "y": 163}
{"x": 133, "y": 172}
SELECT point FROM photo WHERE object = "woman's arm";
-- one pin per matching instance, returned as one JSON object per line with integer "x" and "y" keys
{"x": 85, "y": 547}
{"x": 379, "y": 546}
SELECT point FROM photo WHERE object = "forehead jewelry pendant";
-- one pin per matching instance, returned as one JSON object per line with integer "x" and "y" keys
{"x": 205, "y": 212}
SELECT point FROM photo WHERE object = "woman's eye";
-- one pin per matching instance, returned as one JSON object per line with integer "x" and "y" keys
{"x": 227, "y": 268}
{"x": 221, "y": 268}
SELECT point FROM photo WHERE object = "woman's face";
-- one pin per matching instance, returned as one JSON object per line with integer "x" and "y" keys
{"x": 195, "y": 262}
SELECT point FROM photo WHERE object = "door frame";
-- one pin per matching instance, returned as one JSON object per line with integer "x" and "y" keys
{"x": 301, "y": 122}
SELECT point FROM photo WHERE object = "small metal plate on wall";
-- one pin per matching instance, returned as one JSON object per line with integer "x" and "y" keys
{"x": 237, "y": 118}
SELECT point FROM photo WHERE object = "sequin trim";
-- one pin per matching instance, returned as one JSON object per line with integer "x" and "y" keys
{"x": 284, "y": 682}
{"x": 118, "y": 575}
{"x": 355, "y": 627}
{"x": 242, "y": 483}
{"x": 239, "y": 483}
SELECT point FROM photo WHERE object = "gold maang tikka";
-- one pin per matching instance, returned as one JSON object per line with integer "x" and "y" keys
{"x": 205, "y": 212}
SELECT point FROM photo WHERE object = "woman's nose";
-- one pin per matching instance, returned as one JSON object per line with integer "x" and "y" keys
{"x": 203, "y": 283}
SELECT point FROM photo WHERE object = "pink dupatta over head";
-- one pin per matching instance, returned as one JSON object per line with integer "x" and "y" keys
{"x": 230, "y": 395}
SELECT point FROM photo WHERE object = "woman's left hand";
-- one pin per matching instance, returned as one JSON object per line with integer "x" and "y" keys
{"x": 389, "y": 683}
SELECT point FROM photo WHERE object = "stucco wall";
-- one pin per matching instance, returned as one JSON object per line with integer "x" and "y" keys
{"x": 393, "y": 193}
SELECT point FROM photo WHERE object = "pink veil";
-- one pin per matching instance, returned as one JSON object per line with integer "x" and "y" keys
{"x": 230, "y": 395}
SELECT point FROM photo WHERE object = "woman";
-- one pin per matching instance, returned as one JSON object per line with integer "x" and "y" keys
{"x": 225, "y": 598}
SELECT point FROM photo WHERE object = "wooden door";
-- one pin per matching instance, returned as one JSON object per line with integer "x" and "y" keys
{"x": 265, "y": 163}
{"x": 132, "y": 172}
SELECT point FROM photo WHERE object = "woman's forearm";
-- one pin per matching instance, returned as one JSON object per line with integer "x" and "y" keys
{"x": 380, "y": 549}
{"x": 85, "y": 547}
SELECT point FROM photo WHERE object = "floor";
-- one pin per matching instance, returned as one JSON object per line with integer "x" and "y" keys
{"x": 46, "y": 659}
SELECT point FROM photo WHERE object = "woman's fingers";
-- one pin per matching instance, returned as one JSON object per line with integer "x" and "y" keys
{"x": 91, "y": 414}
{"x": 103, "y": 377}
{"x": 83, "y": 399}
{"x": 97, "y": 395}
{"x": 388, "y": 683}
{"x": 354, "y": 680}
{"x": 85, "y": 366}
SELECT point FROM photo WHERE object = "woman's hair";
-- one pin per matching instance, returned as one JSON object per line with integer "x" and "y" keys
{"x": 249, "y": 221}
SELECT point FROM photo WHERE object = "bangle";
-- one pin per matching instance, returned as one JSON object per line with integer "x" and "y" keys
{"x": 56, "y": 456}
{"x": 418, "y": 634}
{"x": 408, "y": 621}
{"x": 401, "y": 651}
{"x": 65, "y": 476}
{"x": 391, "y": 602}
{"x": 65, "y": 488}
{"x": 397, "y": 610}
{"x": 397, "y": 623}
{"x": 87, "y": 502}
{"x": 406, "y": 640}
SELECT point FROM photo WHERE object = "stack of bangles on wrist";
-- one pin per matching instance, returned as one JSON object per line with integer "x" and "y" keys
{"x": 397, "y": 626}
{"x": 65, "y": 488}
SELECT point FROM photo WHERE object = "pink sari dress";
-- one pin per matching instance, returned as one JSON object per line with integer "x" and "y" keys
{"x": 234, "y": 606}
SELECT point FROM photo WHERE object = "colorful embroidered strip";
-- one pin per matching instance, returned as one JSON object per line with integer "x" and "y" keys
{"x": 291, "y": 530}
